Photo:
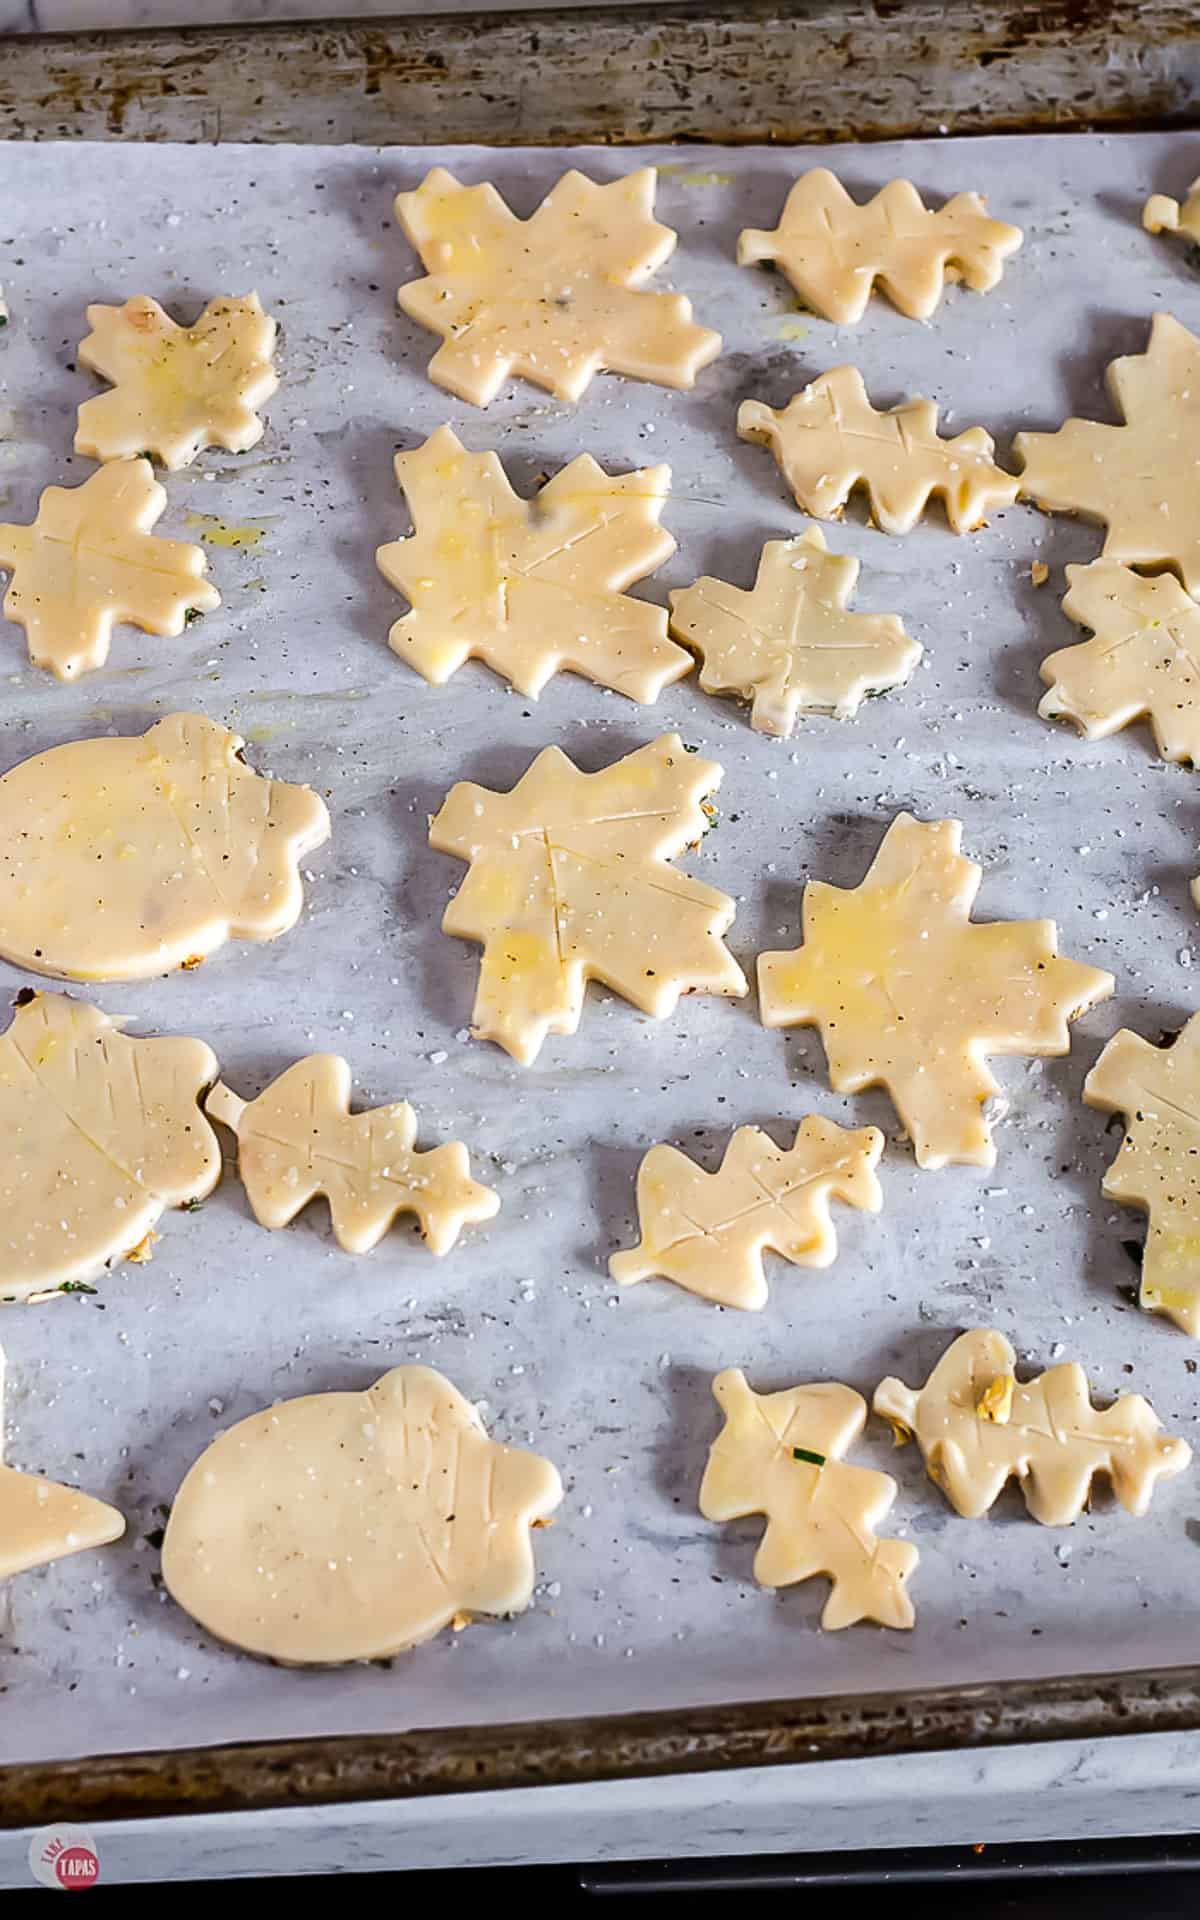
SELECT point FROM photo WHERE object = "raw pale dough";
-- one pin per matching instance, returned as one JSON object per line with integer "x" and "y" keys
{"x": 1161, "y": 214}
{"x": 556, "y": 298}
{"x": 821, "y": 1513}
{"x": 790, "y": 645}
{"x": 1157, "y": 1089}
{"x": 101, "y": 1134}
{"x": 829, "y": 440}
{"x": 89, "y": 560}
{"x": 978, "y": 1427}
{"x": 708, "y": 1231}
{"x": 121, "y": 858}
{"x": 833, "y": 250}
{"x": 352, "y": 1526}
{"x": 532, "y": 587}
{"x": 910, "y": 995}
{"x": 1141, "y": 480}
{"x": 176, "y": 390}
{"x": 42, "y": 1521}
{"x": 1144, "y": 658}
{"x": 569, "y": 883}
{"x": 299, "y": 1139}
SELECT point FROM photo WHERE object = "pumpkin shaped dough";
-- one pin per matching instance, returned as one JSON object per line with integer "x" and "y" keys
{"x": 351, "y": 1526}
{"x": 121, "y": 858}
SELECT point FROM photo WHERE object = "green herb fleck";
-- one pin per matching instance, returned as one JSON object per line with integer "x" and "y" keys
{"x": 192, "y": 613}
{"x": 77, "y": 1286}
{"x": 803, "y": 1453}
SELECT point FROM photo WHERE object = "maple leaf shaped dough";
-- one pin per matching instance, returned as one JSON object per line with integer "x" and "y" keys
{"x": 299, "y": 1139}
{"x": 176, "y": 390}
{"x": 1141, "y": 480}
{"x": 351, "y": 1526}
{"x": 42, "y": 1521}
{"x": 101, "y": 1134}
{"x": 909, "y": 994}
{"x": 89, "y": 560}
{"x": 829, "y": 440}
{"x": 556, "y": 298}
{"x": 707, "y": 1231}
{"x": 569, "y": 883}
{"x": 790, "y": 645}
{"x": 1157, "y": 1089}
{"x": 821, "y": 1518}
{"x": 833, "y": 250}
{"x": 121, "y": 858}
{"x": 534, "y": 587}
{"x": 1143, "y": 659}
{"x": 1161, "y": 214}
{"x": 978, "y": 1427}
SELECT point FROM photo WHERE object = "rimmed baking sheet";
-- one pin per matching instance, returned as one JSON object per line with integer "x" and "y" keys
{"x": 640, "y": 1604}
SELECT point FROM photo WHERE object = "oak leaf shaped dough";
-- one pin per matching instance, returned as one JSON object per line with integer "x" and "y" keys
{"x": 1158, "y": 1167}
{"x": 176, "y": 390}
{"x": 1161, "y": 214}
{"x": 909, "y": 994}
{"x": 1141, "y": 480}
{"x": 978, "y": 1427}
{"x": 829, "y": 440}
{"x": 569, "y": 883}
{"x": 556, "y": 298}
{"x": 125, "y": 857}
{"x": 532, "y": 587}
{"x": 102, "y": 1133}
{"x": 708, "y": 1231}
{"x": 833, "y": 250}
{"x": 90, "y": 560}
{"x": 790, "y": 645}
{"x": 299, "y": 1139}
{"x": 352, "y": 1526}
{"x": 1143, "y": 659}
{"x": 821, "y": 1518}
{"x": 42, "y": 1521}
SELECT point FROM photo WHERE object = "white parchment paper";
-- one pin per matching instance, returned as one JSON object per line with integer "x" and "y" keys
{"x": 640, "y": 1603}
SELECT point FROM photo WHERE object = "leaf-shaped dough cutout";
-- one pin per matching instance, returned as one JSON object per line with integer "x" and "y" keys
{"x": 1158, "y": 1167}
{"x": 299, "y": 1139}
{"x": 791, "y": 645}
{"x": 1143, "y": 659}
{"x": 833, "y": 250}
{"x": 1161, "y": 214}
{"x": 781, "y": 1454}
{"x": 90, "y": 560}
{"x": 176, "y": 390}
{"x": 533, "y": 587}
{"x": 708, "y": 1231}
{"x": 1140, "y": 480}
{"x": 556, "y": 298}
{"x": 978, "y": 1427}
{"x": 40, "y": 1520}
{"x": 125, "y": 857}
{"x": 352, "y": 1526}
{"x": 569, "y": 883}
{"x": 910, "y": 994}
{"x": 829, "y": 440}
{"x": 102, "y": 1132}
